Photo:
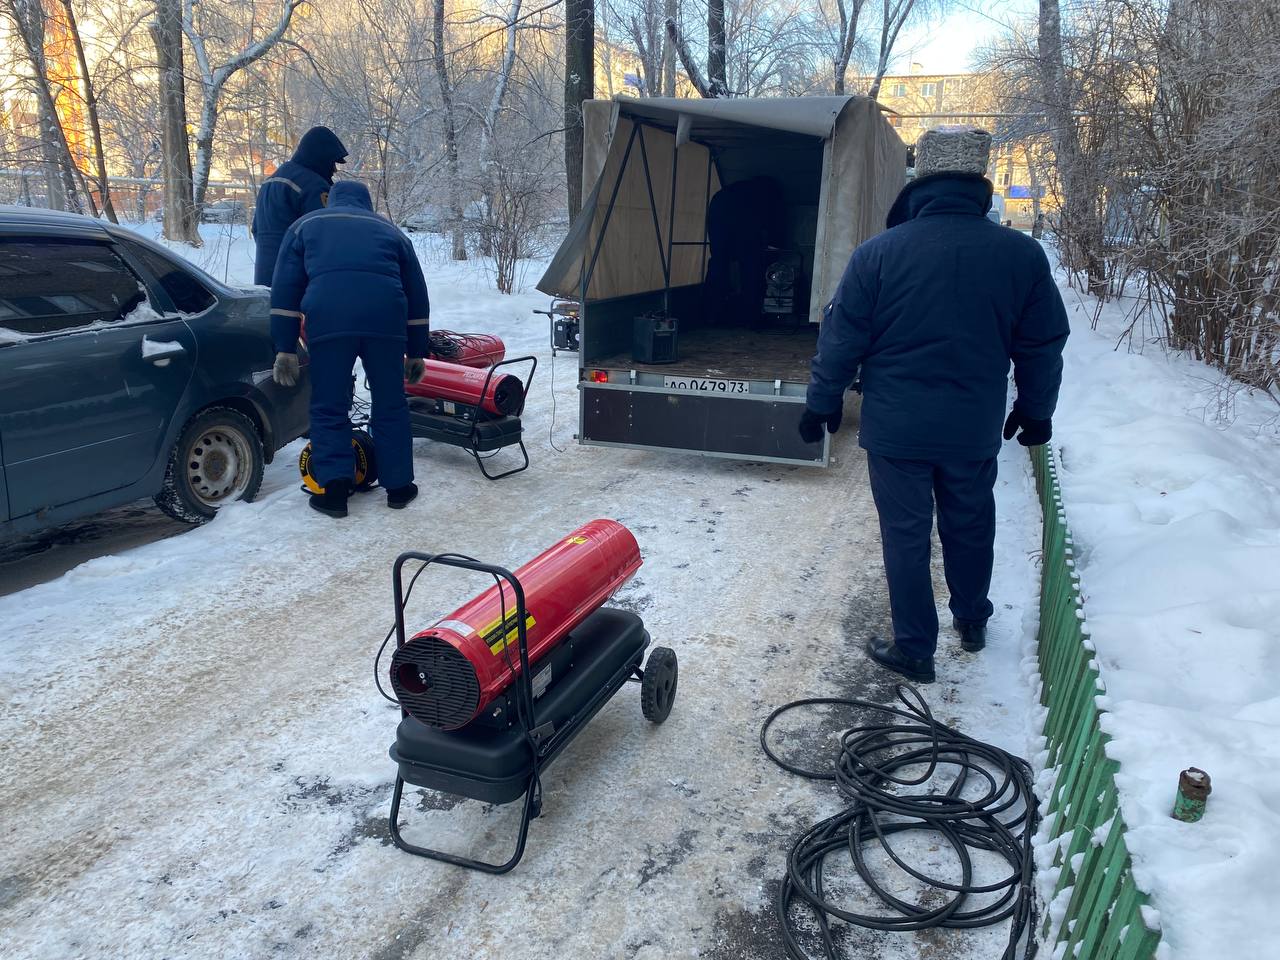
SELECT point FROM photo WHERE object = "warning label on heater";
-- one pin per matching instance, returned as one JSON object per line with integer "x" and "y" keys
{"x": 499, "y": 635}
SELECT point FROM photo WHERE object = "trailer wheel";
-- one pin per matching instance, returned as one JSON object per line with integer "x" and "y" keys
{"x": 658, "y": 688}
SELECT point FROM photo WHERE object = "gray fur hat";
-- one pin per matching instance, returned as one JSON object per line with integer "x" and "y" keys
{"x": 953, "y": 150}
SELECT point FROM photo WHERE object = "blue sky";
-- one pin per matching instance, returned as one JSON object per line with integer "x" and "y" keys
{"x": 948, "y": 45}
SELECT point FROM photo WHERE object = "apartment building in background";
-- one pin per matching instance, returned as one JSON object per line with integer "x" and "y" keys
{"x": 921, "y": 101}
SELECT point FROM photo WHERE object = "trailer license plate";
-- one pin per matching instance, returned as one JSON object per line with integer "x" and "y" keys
{"x": 700, "y": 385}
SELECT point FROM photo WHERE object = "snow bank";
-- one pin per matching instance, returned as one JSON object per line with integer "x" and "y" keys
{"x": 1170, "y": 485}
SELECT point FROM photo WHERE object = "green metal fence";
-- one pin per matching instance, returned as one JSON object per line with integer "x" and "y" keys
{"x": 1095, "y": 886}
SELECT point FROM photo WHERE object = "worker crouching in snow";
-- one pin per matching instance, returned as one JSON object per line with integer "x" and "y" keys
{"x": 356, "y": 279}
{"x": 298, "y": 187}
{"x": 933, "y": 310}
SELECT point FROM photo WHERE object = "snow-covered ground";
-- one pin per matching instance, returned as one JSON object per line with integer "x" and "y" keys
{"x": 194, "y": 755}
{"x": 1171, "y": 480}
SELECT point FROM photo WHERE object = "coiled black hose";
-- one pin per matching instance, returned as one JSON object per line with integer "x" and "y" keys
{"x": 989, "y": 805}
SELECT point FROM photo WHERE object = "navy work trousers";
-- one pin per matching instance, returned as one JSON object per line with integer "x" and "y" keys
{"x": 331, "y": 455}
{"x": 905, "y": 492}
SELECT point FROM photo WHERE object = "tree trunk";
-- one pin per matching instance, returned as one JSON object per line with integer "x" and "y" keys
{"x": 687, "y": 61}
{"x": 896, "y": 14}
{"x": 175, "y": 161}
{"x": 716, "y": 45}
{"x": 668, "y": 52}
{"x": 488, "y": 152}
{"x": 1076, "y": 227}
{"x": 204, "y": 145}
{"x": 579, "y": 85}
{"x": 60, "y": 168}
{"x": 91, "y": 107}
{"x": 450, "y": 134}
{"x": 848, "y": 36}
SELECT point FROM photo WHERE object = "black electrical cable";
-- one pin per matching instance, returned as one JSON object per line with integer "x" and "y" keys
{"x": 989, "y": 805}
{"x": 551, "y": 430}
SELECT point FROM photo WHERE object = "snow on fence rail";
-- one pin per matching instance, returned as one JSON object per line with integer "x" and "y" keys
{"x": 1096, "y": 910}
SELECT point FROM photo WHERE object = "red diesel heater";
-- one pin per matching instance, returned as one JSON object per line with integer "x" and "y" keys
{"x": 468, "y": 349}
{"x": 501, "y": 394}
{"x": 492, "y": 694}
{"x": 446, "y": 675}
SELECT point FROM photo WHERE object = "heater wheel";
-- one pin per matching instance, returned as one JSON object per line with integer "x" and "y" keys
{"x": 658, "y": 688}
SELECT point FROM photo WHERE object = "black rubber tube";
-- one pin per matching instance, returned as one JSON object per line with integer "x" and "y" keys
{"x": 874, "y": 772}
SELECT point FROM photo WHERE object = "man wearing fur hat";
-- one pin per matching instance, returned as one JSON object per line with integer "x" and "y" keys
{"x": 933, "y": 311}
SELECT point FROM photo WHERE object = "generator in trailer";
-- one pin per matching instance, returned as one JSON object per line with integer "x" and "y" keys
{"x": 492, "y": 693}
{"x": 692, "y": 284}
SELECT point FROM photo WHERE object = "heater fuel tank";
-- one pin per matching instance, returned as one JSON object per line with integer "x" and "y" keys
{"x": 447, "y": 674}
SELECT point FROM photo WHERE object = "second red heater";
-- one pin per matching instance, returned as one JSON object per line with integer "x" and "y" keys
{"x": 446, "y": 675}
{"x": 498, "y": 393}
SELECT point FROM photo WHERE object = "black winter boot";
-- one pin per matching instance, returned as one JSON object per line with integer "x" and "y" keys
{"x": 333, "y": 502}
{"x": 888, "y": 655}
{"x": 401, "y": 497}
{"x": 973, "y": 636}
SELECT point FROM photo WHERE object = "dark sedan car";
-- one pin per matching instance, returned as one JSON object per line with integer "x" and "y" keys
{"x": 125, "y": 372}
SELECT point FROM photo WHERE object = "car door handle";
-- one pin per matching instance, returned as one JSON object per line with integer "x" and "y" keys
{"x": 158, "y": 351}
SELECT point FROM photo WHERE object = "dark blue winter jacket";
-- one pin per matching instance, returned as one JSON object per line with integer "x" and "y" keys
{"x": 933, "y": 310}
{"x": 296, "y": 188}
{"x": 350, "y": 272}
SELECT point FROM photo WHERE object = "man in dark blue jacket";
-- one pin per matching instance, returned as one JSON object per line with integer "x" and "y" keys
{"x": 932, "y": 311}
{"x": 298, "y": 187}
{"x": 356, "y": 279}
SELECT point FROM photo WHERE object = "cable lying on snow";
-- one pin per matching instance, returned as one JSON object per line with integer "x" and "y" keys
{"x": 911, "y": 749}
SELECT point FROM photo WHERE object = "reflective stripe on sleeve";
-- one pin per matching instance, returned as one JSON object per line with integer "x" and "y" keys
{"x": 284, "y": 180}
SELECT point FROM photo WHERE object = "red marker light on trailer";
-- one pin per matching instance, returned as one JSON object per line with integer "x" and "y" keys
{"x": 599, "y": 376}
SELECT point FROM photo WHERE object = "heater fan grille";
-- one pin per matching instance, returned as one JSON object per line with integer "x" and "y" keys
{"x": 435, "y": 683}
{"x": 508, "y": 395}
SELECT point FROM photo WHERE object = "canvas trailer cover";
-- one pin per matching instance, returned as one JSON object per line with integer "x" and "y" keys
{"x": 650, "y": 169}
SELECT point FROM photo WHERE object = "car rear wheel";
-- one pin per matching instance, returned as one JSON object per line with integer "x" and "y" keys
{"x": 217, "y": 459}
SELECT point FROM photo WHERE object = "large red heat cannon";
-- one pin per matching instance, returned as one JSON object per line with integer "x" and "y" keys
{"x": 494, "y": 692}
{"x": 500, "y": 394}
{"x": 446, "y": 675}
{"x": 468, "y": 349}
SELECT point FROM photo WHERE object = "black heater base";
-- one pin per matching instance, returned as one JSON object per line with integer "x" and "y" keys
{"x": 501, "y": 765}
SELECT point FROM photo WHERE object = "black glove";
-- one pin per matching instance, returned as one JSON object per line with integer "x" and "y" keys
{"x": 1034, "y": 432}
{"x": 811, "y": 424}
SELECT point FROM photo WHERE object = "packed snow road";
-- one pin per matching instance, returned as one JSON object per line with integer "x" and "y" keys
{"x": 194, "y": 754}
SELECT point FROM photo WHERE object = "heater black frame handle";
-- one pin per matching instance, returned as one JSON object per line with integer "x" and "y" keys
{"x": 474, "y": 437}
{"x": 524, "y": 685}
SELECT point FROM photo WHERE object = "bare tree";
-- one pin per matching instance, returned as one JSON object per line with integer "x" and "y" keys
{"x": 579, "y": 85}
{"x": 91, "y": 107}
{"x": 895, "y": 15}
{"x": 688, "y": 62}
{"x": 717, "y": 49}
{"x": 668, "y": 51}
{"x": 28, "y": 18}
{"x": 180, "y": 216}
{"x": 846, "y": 38}
{"x": 200, "y": 28}
{"x": 449, "y": 117}
{"x": 644, "y": 28}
